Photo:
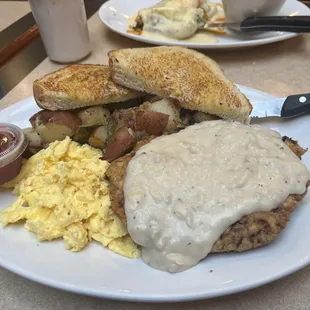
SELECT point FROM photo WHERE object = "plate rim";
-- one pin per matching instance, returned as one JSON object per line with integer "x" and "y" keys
{"x": 206, "y": 46}
{"x": 158, "y": 298}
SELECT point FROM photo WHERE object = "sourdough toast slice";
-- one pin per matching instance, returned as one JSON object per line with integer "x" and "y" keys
{"x": 78, "y": 86}
{"x": 192, "y": 78}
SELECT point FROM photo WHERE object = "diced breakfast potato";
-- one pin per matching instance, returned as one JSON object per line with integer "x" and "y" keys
{"x": 82, "y": 135}
{"x": 33, "y": 138}
{"x": 153, "y": 123}
{"x": 141, "y": 120}
{"x": 94, "y": 116}
{"x": 99, "y": 137}
{"x": 171, "y": 108}
{"x": 123, "y": 141}
{"x": 123, "y": 118}
{"x": 35, "y": 143}
{"x": 52, "y": 126}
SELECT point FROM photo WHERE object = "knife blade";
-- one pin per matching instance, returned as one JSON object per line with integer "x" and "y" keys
{"x": 298, "y": 24}
{"x": 289, "y": 107}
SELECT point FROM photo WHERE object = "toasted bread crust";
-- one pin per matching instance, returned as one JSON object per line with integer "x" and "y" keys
{"x": 192, "y": 78}
{"x": 78, "y": 86}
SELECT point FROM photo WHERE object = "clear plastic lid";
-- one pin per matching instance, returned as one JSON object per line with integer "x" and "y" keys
{"x": 13, "y": 143}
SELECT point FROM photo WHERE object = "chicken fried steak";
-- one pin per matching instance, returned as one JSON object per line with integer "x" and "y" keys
{"x": 251, "y": 231}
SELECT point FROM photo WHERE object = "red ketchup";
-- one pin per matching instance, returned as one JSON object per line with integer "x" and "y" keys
{"x": 13, "y": 143}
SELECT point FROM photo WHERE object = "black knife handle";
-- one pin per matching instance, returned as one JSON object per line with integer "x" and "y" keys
{"x": 276, "y": 23}
{"x": 296, "y": 105}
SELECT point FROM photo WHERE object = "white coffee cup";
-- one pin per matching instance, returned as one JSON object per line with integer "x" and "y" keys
{"x": 238, "y": 10}
{"x": 63, "y": 28}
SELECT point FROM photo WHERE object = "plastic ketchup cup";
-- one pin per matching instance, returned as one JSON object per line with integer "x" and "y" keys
{"x": 13, "y": 143}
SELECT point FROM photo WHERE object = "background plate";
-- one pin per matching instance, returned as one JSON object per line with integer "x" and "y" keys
{"x": 99, "y": 272}
{"x": 114, "y": 14}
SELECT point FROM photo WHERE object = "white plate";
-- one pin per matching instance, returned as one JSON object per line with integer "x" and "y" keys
{"x": 99, "y": 272}
{"x": 114, "y": 14}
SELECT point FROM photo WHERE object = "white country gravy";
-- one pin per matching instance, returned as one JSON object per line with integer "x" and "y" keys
{"x": 184, "y": 190}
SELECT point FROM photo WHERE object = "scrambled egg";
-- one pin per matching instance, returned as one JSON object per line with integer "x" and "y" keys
{"x": 62, "y": 192}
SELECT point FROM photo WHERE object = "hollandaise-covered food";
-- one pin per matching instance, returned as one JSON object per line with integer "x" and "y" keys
{"x": 178, "y": 20}
{"x": 173, "y": 18}
{"x": 62, "y": 193}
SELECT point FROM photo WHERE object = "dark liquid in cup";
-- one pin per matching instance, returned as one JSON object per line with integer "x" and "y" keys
{"x": 7, "y": 140}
